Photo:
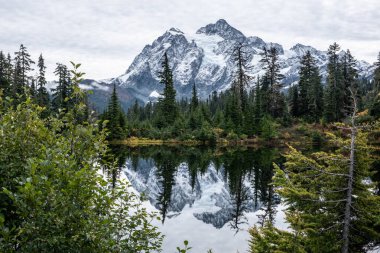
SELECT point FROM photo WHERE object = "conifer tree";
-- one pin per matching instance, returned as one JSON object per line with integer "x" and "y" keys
{"x": 62, "y": 93}
{"x": 168, "y": 107}
{"x": 376, "y": 78}
{"x": 334, "y": 95}
{"x": 17, "y": 87}
{"x": 233, "y": 112}
{"x": 116, "y": 118}
{"x": 272, "y": 82}
{"x": 42, "y": 97}
{"x": 9, "y": 69}
{"x": 23, "y": 64}
{"x": 241, "y": 79}
{"x": 295, "y": 101}
{"x": 32, "y": 89}
{"x": 350, "y": 79}
{"x": 4, "y": 83}
{"x": 194, "y": 98}
{"x": 258, "y": 108}
{"x": 23, "y": 57}
{"x": 375, "y": 98}
{"x": 310, "y": 89}
{"x": 330, "y": 205}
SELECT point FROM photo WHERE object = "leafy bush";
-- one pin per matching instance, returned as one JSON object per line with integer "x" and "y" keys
{"x": 53, "y": 198}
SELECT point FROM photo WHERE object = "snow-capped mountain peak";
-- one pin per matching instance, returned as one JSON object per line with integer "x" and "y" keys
{"x": 175, "y": 31}
{"x": 223, "y": 29}
{"x": 204, "y": 58}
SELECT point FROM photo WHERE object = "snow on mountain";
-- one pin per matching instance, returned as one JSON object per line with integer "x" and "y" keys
{"x": 223, "y": 29}
{"x": 210, "y": 200}
{"x": 204, "y": 58}
{"x": 155, "y": 94}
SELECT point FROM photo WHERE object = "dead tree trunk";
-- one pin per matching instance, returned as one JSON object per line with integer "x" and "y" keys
{"x": 347, "y": 211}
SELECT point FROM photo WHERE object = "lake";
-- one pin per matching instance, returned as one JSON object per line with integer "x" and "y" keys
{"x": 209, "y": 196}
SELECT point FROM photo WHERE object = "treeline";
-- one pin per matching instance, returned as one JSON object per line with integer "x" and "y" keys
{"x": 19, "y": 80}
{"x": 242, "y": 111}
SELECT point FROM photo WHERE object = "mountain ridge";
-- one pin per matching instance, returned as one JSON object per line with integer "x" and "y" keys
{"x": 204, "y": 58}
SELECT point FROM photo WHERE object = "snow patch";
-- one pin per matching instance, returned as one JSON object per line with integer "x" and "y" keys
{"x": 209, "y": 44}
{"x": 155, "y": 94}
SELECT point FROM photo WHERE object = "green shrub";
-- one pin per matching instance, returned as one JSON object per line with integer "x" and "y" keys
{"x": 52, "y": 196}
{"x": 268, "y": 128}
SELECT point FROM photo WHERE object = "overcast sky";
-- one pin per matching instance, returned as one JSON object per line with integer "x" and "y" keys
{"x": 105, "y": 36}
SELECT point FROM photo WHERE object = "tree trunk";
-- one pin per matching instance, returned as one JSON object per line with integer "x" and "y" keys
{"x": 347, "y": 211}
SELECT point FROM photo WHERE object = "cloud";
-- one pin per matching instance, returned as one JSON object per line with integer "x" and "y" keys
{"x": 105, "y": 36}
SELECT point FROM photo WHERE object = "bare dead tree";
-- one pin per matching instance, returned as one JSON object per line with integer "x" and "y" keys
{"x": 350, "y": 182}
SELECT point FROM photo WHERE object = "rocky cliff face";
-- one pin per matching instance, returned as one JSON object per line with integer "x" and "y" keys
{"x": 204, "y": 58}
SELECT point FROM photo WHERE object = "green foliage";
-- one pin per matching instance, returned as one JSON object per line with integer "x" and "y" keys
{"x": 342, "y": 76}
{"x": 5, "y": 81}
{"x": 194, "y": 99}
{"x": 232, "y": 136}
{"x": 206, "y": 134}
{"x": 241, "y": 80}
{"x": 375, "y": 99}
{"x": 23, "y": 65}
{"x": 268, "y": 128}
{"x": 270, "y": 239}
{"x": 63, "y": 92}
{"x": 243, "y": 111}
{"x": 272, "y": 100}
{"x": 185, "y": 249}
{"x": 42, "y": 96}
{"x": 310, "y": 104}
{"x": 53, "y": 198}
{"x": 114, "y": 118}
{"x": 168, "y": 110}
{"x": 314, "y": 189}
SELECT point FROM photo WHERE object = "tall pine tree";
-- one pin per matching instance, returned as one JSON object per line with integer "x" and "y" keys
{"x": 4, "y": 82}
{"x": 335, "y": 93}
{"x": 115, "y": 116}
{"x": 194, "y": 98}
{"x": 375, "y": 99}
{"x": 274, "y": 101}
{"x": 63, "y": 91}
{"x": 310, "y": 89}
{"x": 23, "y": 64}
{"x": 295, "y": 101}
{"x": 167, "y": 104}
{"x": 241, "y": 80}
{"x": 350, "y": 79}
{"x": 42, "y": 96}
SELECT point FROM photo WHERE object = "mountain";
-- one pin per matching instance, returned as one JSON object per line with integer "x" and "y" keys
{"x": 203, "y": 58}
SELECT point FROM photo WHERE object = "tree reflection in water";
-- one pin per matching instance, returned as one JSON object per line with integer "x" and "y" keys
{"x": 246, "y": 173}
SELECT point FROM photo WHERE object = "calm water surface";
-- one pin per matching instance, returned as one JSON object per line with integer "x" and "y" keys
{"x": 208, "y": 196}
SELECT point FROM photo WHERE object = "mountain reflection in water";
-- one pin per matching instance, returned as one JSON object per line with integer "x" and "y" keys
{"x": 219, "y": 185}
